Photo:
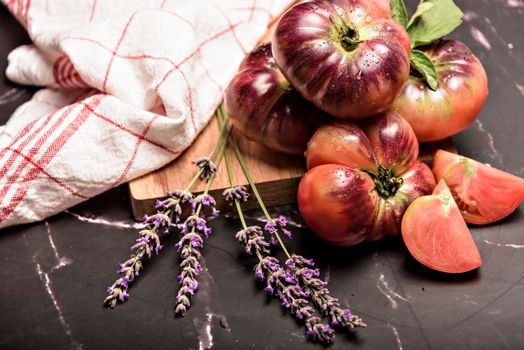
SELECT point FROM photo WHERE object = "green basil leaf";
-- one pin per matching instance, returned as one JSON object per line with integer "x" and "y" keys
{"x": 421, "y": 8}
{"x": 434, "y": 23}
{"x": 422, "y": 64}
{"x": 399, "y": 12}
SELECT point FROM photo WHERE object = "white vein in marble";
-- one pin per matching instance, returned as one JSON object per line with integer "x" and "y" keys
{"x": 469, "y": 16}
{"x": 263, "y": 219}
{"x": 397, "y": 336}
{"x": 515, "y": 3}
{"x": 479, "y": 37}
{"x": 61, "y": 261}
{"x": 506, "y": 245}
{"x": 44, "y": 277}
{"x": 389, "y": 293}
{"x": 494, "y": 153}
{"x": 327, "y": 273}
{"x": 520, "y": 88}
{"x": 10, "y": 95}
{"x": 101, "y": 221}
{"x": 204, "y": 324}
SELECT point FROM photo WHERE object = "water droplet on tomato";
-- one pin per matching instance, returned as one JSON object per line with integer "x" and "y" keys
{"x": 388, "y": 28}
{"x": 368, "y": 19}
{"x": 359, "y": 75}
{"x": 466, "y": 58}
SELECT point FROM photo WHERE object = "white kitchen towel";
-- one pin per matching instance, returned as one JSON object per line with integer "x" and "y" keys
{"x": 129, "y": 84}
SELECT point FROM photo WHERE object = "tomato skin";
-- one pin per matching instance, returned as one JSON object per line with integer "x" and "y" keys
{"x": 393, "y": 141}
{"x": 386, "y": 139}
{"x": 347, "y": 191}
{"x": 436, "y": 234}
{"x": 349, "y": 81}
{"x": 265, "y": 109}
{"x": 338, "y": 197}
{"x": 462, "y": 92}
{"x": 341, "y": 143}
{"x": 483, "y": 194}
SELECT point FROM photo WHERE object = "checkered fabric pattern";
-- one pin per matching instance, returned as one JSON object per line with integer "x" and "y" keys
{"x": 128, "y": 85}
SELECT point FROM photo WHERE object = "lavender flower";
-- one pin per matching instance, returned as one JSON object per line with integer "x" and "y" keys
{"x": 207, "y": 202}
{"x": 148, "y": 241}
{"x": 191, "y": 268}
{"x": 318, "y": 331}
{"x": 174, "y": 201}
{"x": 330, "y": 306}
{"x": 293, "y": 297}
{"x": 207, "y": 166}
{"x": 273, "y": 226}
{"x": 237, "y": 193}
{"x": 283, "y": 284}
{"x": 194, "y": 229}
{"x": 253, "y": 240}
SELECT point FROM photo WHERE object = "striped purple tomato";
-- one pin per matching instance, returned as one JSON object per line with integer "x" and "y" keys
{"x": 361, "y": 179}
{"x": 347, "y": 57}
{"x": 266, "y": 109}
{"x": 458, "y": 100}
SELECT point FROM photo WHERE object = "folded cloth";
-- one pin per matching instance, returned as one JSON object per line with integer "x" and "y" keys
{"x": 129, "y": 84}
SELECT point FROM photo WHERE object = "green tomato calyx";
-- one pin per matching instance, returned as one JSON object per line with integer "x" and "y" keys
{"x": 345, "y": 35}
{"x": 386, "y": 183}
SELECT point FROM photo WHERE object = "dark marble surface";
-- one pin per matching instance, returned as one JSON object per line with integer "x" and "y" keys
{"x": 53, "y": 274}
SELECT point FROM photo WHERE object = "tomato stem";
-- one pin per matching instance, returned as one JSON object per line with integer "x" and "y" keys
{"x": 386, "y": 183}
{"x": 345, "y": 34}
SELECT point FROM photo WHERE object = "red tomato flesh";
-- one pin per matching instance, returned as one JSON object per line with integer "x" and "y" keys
{"x": 436, "y": 234}
{"x": 483, "y": 194}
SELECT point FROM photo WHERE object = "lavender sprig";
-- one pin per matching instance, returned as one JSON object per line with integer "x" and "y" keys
{"x": 188, "y": 247}
{"x": 299, "y": 272}
{"x": 194, "y": 229}
{"x": 285, "y": 286}
{"x": 148, "y": 241}
{"x": 278, "y": 281}
{"x": 293, "y": 298}
{"x": 329, "y": 305}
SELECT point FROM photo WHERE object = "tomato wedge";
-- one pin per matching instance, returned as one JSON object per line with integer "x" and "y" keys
{"x": 436, "y": 234}
{"x": 483, "y": 194}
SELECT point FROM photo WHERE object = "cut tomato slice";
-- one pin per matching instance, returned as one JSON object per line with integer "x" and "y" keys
{"x": 436, "y": 234}
{"x": 483, "y": 194}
